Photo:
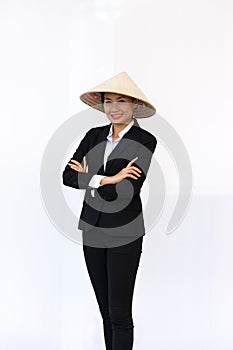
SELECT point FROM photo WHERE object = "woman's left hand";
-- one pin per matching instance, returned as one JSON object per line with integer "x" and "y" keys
{"x": 78, "y": 166}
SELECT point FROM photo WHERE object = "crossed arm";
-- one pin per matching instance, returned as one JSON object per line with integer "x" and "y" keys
{"x": 111, "y": 187}
{"x": 129, "y": 186}
{"x": 78, "y": 179}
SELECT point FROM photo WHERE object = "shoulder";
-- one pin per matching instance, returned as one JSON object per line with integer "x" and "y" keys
{"x": 97, "y": 129}
{"x": 145, "y": 135}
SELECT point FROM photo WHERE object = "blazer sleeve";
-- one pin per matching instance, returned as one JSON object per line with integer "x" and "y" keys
{"x": 129, "y": 187}
{"x": 78, "y": 179}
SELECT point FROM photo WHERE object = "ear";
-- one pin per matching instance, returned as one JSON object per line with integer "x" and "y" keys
{"x": 136, "y": 103}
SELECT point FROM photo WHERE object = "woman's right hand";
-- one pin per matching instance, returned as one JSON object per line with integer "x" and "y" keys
{"x": 129, "y": 171}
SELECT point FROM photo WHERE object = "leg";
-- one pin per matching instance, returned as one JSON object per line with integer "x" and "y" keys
{"x": 95, "y": 259}
{"x": 122, "y": 262}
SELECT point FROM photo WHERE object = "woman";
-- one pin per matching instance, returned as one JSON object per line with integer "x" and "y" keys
{"x": 118, "y": 156}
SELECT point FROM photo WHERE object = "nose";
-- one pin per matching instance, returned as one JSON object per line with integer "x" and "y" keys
{"x": 114, "y": 106}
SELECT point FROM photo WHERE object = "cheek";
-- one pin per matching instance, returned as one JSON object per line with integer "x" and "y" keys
{"x": 129, "y": 110}
{"x": 106, "y": 109}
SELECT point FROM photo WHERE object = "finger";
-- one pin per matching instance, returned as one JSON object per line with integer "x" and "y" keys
{"x": 75, "y": 161}
{"x": 131, "y": 162}
{"x": 135, "y": 168}
{"x": 131, "y": 172}
{"x": 84, "y": 163}
{"x": 75, "y": 167}
{"x": 133, "y": 177}
{"x": 135, "y": 173}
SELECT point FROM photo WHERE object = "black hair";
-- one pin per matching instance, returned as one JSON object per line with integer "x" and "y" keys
{"x": 102, "y": 97}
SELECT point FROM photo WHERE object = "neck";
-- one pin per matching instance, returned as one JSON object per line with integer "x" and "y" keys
{"x": 116, "y": 128}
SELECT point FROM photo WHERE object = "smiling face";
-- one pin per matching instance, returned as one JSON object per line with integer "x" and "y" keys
{"x": 119, "y": 108}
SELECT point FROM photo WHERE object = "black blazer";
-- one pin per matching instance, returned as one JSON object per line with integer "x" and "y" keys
{"x": 115, "y": 207}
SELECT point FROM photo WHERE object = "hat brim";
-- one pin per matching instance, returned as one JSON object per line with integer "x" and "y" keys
{"x": 93, "y": 99}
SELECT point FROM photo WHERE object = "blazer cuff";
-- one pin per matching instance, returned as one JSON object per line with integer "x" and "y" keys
{"x": 95, "y": 181}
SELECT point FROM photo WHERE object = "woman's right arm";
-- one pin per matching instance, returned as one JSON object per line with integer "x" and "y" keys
{"x": 72, "y": 177}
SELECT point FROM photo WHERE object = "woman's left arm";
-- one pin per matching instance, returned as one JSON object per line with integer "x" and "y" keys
{"x": 129, "y": 187}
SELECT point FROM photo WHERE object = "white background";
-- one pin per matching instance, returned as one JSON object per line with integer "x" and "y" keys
{"x": 180, "y": 53}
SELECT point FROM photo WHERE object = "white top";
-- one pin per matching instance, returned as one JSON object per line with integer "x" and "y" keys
{"x": 110, "y": 145}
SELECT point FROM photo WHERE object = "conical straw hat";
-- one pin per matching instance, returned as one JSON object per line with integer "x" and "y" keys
{"x": 120, "y": 84}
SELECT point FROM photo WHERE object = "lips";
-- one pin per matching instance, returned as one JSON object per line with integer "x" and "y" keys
{"x": 116, "y": 116}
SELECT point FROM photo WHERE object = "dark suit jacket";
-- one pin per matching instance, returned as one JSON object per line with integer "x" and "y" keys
{"x": 115, "y": 207}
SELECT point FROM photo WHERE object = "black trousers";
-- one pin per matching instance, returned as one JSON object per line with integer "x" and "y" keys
{"x": 112, "y": 272}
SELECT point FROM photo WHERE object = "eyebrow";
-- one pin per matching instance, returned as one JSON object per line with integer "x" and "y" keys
{"x": 109, "y": 98}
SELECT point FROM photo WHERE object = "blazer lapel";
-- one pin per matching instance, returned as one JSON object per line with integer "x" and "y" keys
{"x": 100, "y": 143}
{"x": 124, "y": 145}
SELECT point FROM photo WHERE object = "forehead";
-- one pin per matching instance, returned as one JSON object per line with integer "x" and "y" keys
{"x": 113, "y": 95}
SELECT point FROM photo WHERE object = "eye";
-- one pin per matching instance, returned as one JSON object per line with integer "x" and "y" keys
{"x": 121, "y": 101}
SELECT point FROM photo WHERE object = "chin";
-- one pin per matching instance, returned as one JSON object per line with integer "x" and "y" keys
{"x": 120, "y": 121}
